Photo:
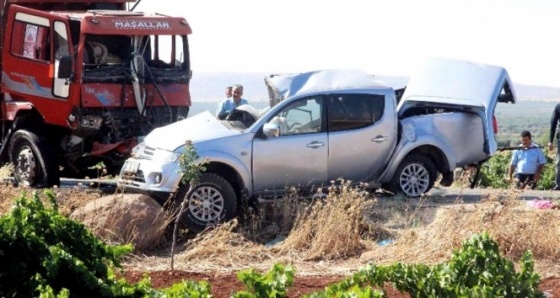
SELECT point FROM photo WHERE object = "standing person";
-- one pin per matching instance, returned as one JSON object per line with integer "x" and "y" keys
{"x": 228, "y": 105}
{"x": 527, "y": 163}
{"x": 553, "y": 124}
{"x": 228, "y": 92}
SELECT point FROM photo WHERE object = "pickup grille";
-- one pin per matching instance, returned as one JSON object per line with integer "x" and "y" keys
{"x": 134, "y": 177}
{"x": 148, "y": 152}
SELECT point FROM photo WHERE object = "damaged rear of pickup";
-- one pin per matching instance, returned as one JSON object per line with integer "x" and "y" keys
{"x": 446, "y": 120}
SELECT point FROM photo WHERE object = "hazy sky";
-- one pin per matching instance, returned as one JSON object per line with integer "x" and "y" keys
{"x": 389, "y": 37}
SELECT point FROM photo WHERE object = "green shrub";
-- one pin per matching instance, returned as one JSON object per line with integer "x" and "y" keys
{"x": 476, "y": 270}
{"x": 41, "y": 247}
{"x": 494, "y": 171}
{"x": 46, "y": 254}
{"x": 274, "y": 283}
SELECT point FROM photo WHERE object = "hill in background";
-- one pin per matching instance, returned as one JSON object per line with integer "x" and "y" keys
{"x": 211, "y": 86}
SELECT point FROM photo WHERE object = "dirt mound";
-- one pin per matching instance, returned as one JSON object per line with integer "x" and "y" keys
{"x": 122, "y": 219}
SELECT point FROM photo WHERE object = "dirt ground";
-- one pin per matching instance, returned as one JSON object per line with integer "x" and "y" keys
{"x": 551, "y": 286}
{"x": 223, "y": 285}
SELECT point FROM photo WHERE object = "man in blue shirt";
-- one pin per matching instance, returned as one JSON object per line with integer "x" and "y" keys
{"x": 228, "y": 105}
{"x": 527, "y": 162}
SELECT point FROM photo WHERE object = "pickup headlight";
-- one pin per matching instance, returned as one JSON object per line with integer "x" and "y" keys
{"x": 145, "y": 152}
{"x": 137, "y": 150}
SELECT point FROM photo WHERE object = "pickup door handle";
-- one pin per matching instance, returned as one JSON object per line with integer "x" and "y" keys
{"x": 315, "y": 144}
{"x": 379, "y": 139}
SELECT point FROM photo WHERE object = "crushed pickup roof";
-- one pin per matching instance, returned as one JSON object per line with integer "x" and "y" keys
{"x": 285, "y": 86}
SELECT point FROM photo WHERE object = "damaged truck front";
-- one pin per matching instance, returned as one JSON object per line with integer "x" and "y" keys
{"x": 83, "y": 82}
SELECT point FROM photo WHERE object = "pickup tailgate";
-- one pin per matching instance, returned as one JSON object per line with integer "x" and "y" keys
{"x": 443, "y": 86}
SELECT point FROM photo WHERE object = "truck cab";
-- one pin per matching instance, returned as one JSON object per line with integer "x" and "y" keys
{"x": 83, "y": 82}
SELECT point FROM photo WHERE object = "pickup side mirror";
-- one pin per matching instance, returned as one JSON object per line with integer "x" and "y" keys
{"x": 64, "y": 67}
{"x": 271, "y": 130}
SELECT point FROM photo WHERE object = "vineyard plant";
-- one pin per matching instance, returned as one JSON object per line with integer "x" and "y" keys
{"x": 49, "y": 255}
{"x": 494, "y": 172}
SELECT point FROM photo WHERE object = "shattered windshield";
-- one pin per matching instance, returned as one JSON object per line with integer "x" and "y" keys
{"x": 155, "y": 58}
{"x": 243, "y": 117}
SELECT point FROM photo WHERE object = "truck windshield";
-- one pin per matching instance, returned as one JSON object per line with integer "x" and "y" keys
{"x": 156, "y": 58}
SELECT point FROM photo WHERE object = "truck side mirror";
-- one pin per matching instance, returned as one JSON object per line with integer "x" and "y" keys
{"x": 271, "y": 130}
{"x": 64, "y": 67}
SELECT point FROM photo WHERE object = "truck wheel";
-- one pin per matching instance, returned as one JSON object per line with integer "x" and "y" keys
{"x": 212, "y": 201}
{"x": 34, "y": 160}
{"x": 415, "y": 176}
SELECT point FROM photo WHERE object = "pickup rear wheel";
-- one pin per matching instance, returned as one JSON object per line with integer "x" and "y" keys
{"x": 415, "y": 176}
{"x": 211, "y": 201}
{"x": 34, "y": 160}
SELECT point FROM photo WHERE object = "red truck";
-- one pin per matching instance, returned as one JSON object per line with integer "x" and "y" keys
{"x": 83, "y": 81}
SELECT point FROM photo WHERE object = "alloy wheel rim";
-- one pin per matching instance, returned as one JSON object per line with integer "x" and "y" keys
{"x": 26, "y": 167}
{"x": 206, "y": 204}
{"x": 414, "y": 180}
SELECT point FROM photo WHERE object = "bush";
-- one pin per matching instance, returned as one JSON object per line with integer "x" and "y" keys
{"x": 494, "y": 171}
{"x": 274, "y": 283}
{"x": 476, "y": 270}
{"x": 46, "y": 254}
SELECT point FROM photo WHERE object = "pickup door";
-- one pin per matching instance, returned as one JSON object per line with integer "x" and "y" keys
{"x": 297, "y": 157}
{"x": 323, "y": 138}
{"x": 362, "y": 134}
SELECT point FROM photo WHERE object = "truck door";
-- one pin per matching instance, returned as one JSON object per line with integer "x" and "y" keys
{"x": 362, "y": 135}
{"x": 297, "y": 157}
{"x": 31, "y": 57}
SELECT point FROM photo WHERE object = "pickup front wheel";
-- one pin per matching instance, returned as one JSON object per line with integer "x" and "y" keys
{"x": 211, "y": 201}
{"x": 415, "y": 176}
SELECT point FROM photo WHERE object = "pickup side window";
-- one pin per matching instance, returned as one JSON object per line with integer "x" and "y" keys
{"x": 30, "y": 37}
{"x": 353, "y": 111}
{"x": 300, "y": 117}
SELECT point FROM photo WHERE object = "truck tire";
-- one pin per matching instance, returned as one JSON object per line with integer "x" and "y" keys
{"x": 211, "y": 201}
{"x": 415, "y": 176}
{"x": 34, "y": 160}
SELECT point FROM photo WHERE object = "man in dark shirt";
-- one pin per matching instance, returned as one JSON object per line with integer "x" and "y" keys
{"x": 553, "y": 124}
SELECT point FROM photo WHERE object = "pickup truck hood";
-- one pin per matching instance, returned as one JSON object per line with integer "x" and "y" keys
{"x": 201, "y": 127}
{"x": 459, "y": 82}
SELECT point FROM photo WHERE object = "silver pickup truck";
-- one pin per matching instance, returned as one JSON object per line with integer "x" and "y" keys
{"x": 326, "y": 125}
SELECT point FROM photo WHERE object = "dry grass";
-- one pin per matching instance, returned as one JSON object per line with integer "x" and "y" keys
{"x": 330, "y": 229}
{"x": 224, "y": 246}
{"x": 327, "y": 236}
{"x": 74, "y": 198}
{"x": 514, "y": 226}
{"x": 68, "y": 200}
